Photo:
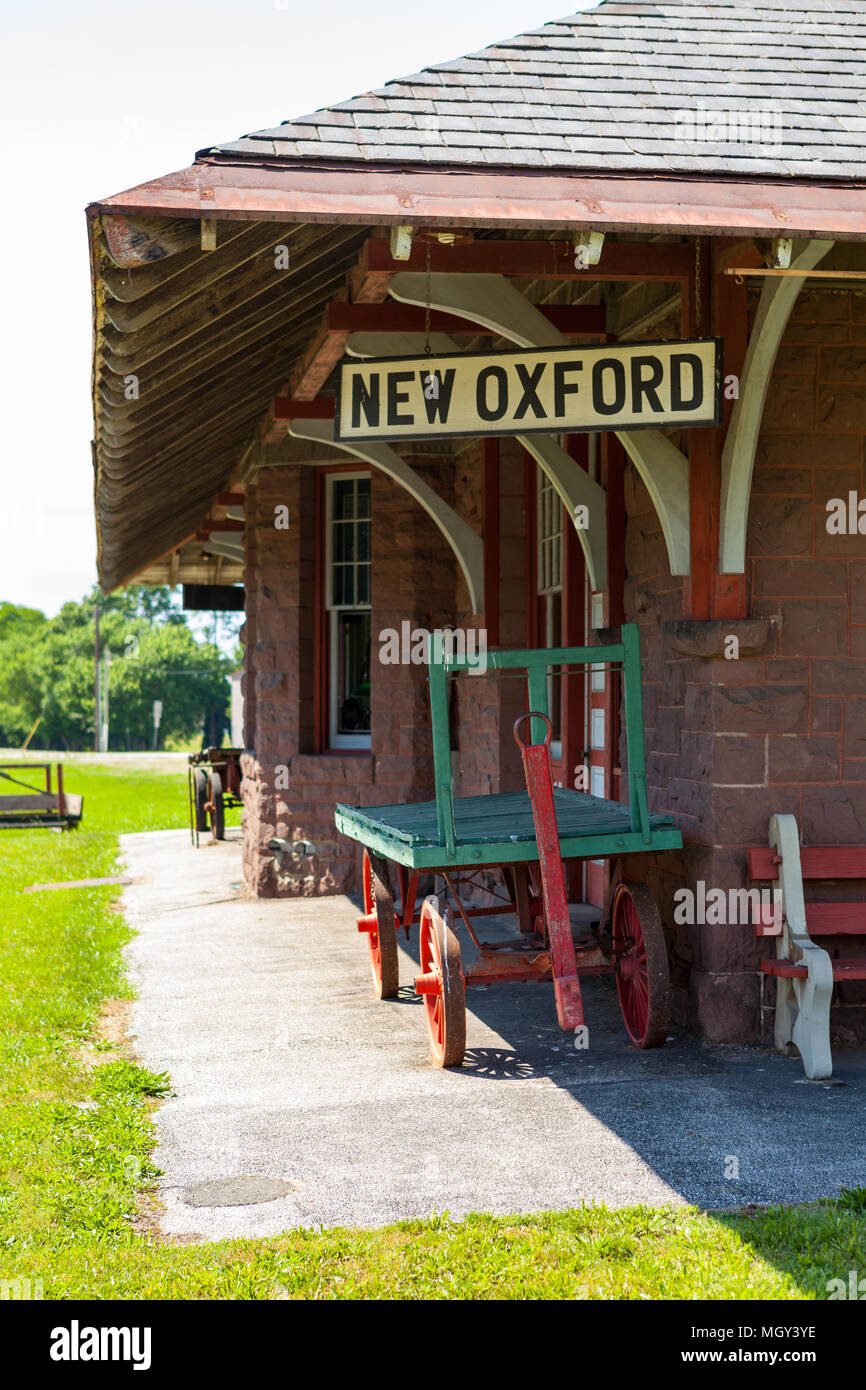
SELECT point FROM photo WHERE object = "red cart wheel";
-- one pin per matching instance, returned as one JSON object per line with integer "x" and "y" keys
{"x": 642, "y": 977}
{"x": 216, "y": 807}
{"x": 442, "y": 986}
{"x": 380, "y": 926}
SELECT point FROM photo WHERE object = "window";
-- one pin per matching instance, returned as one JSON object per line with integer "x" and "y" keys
{"x": 348, "y": 604}
{"x": 549, "y": 572}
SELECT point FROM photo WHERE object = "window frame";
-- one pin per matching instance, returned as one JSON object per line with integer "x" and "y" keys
{"x": 360, "y": 742}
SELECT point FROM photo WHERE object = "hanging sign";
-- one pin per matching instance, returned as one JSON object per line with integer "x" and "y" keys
{"x": 561, "y": 390}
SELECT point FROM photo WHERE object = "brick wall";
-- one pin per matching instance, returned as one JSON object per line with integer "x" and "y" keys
{"x": 414, "y": 580}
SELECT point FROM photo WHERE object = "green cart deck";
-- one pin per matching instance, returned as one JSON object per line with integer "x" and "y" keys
{"x": 499, "y": 829}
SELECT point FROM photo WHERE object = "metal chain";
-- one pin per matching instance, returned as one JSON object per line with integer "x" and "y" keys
{"x": 427, "y": 348}
{"x": 697, "y": 282}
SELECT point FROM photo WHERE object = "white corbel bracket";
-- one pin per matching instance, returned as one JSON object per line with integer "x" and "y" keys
{"x": 778, "y": 295}
{"x": 466, "y": 544}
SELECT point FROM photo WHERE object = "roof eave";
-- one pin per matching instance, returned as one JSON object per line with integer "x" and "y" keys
{"x": 377, "y": 194}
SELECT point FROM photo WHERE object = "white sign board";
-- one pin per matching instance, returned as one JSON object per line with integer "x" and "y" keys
{"x": 560, "y": 390}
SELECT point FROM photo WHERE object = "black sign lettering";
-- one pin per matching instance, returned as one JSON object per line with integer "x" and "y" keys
{"x": 617, "y": 372}
{"x": 530, "y": 391}
{"x": 396, "y": 398}
{"x": 437, "y": 408}
{"x": 366, "y": 400}
{"x": 678, "y": 401}
{"x": 643, "y": 385}
{"x": 561, "y": 387}
{"x": 500, "y": 376}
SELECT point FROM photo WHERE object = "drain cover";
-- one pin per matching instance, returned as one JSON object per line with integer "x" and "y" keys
{"x": 245, "y": 1191}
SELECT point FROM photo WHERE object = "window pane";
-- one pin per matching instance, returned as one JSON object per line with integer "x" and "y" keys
{"x": 344, "y": 588}
{"x": 362, "y": 531}
{"x": 353, "y": 674}
{"x": 363, "y": 499}
{"x": 344, "y": 540}
{"x": 363, "y": 576}
{"x": 344, "y": 499}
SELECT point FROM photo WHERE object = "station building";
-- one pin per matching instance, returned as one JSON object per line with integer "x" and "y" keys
{"x": 634, "y": 174}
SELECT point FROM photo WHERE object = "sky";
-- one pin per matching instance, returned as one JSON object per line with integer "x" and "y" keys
{"x": 100, "y": 95}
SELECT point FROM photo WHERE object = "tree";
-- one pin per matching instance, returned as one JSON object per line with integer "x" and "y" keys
{"x": 47, "y": 669}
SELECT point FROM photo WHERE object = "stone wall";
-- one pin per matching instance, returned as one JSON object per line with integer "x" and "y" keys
{"x": 783, "y": 728}
{"x": 290, "y": 786}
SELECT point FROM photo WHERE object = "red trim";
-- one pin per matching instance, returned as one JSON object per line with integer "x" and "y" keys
{"x": 731, "y": 324}
{"x": 530, "y": 566}
{"x": 320, "y": 620}
{"x": 321, "y": 645}
{"x": 491, "y": 539}
{"x": 614, "y": 472}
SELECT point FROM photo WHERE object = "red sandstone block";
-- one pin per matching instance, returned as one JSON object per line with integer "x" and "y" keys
{"x": 840, "y": 677}
{"x": 726, "y": 1007}
{"x": 794, "y": 758}
{"x": 854, "y": 738}
{"x": 834, "y": 814}
{"x": 814, "y": 306}
{"x": 790, "y": 403}
{"x": 826, "y": 715}
{"x": 843, "y": 364}
{"x": 814, "y": 627}
{"x": 740, "y": 671}
{"x": 800, "y": 578}
{"x": 858, "y": 591}
{"x": 842, "y": 408}
{"x": 739, "y": 760}
{"x": 829, "y": 333}
{"x": 793, "y": 357}
{"x": 780, "y": 526}
{"x": 784, "y": 482}
{"x": 741, "y": 815}
{"x": 818, "y": 449}
{"x": 749, "y": 709}
{"x": 781, "y": 672}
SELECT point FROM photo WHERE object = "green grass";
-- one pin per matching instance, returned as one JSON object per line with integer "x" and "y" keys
{"x": 76, "y": 1136}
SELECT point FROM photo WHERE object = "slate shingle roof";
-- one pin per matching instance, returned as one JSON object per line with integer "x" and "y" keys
{"x": 627, "y": 86}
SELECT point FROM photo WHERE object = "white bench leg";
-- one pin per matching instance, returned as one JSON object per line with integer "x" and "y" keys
{"x": 811, "y": 1032}
{"x": 802, "y": 1006}
{"x": 786, "y": 1013}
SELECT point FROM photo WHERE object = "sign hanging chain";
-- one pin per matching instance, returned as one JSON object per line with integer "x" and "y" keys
{"x": 427, "y": 348}
{"x": 697, "y": 283}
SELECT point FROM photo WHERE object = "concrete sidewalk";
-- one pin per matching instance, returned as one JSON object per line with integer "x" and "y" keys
{"x": 285, "y": 1067}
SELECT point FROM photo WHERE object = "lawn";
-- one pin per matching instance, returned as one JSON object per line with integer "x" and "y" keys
{"x": 76, "y": 1136}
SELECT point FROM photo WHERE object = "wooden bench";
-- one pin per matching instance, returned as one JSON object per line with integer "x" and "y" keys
{"x": 28, "y": 805}
{"x": 804, "y": 971}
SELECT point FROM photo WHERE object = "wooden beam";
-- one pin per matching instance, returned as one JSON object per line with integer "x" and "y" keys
{"x": 287, "y": 409}
{"x": 537, "y": 260}
{"x": 343, "y": 317}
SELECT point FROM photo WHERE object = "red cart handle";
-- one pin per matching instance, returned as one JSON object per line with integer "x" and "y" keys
{"x": 533, "y": 714}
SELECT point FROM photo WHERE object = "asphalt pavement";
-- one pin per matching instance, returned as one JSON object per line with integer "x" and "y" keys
{"x": 299, "y": 1099}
